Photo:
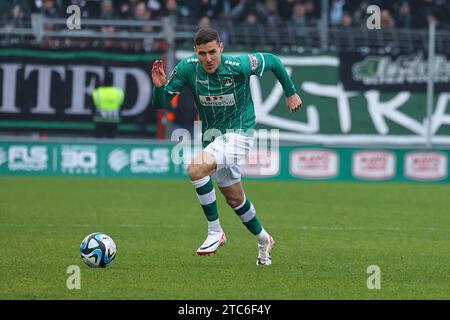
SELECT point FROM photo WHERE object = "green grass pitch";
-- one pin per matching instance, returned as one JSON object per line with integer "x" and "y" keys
{"x": 327, "y": 235}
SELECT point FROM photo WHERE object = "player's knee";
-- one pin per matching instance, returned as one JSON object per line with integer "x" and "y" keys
{"x": 235, "y": 201}
{"x": 196, "y": 171}
{"x": 192, "y": 171}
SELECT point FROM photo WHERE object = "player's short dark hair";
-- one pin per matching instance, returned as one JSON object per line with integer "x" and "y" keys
{"x": 205, "y": 35}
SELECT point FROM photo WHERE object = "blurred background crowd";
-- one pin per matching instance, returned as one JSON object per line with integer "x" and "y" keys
{"x": 345, "y": 13}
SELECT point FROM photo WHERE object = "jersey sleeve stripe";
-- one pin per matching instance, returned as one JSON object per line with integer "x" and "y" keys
{"x": 263, "y": 64}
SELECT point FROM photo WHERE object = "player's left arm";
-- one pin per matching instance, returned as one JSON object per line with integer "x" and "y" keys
{"x": 261, "y": 62}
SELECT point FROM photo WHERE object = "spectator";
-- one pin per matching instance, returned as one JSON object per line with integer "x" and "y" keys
{"x": 155, "y": 7}
{"x": 170, "y": 10}
{"x": 204, "y": 22}
{"x": 251, "y": 19}
{"x": 18, "y": 12}
{"x": 107, "y": 12}
{"x": 406, "y": 13}
{"x": 273, "y": 18}
{"x": 205, "y": 8}
{"x": 336, "y": 12}
{"x": 286, "y": 8}
{"x": 387, "y": 21}
{"x": 244, "y": 7}
{"x": 346, "y": 20}
{"x": 49, "y": 9}
{"x": 89, "y": 8}
{"x": 298, "y": 19}
{"x": 402, "y": 14}
{"x": 143, "y": 13}
{"x": 355, "y": 12}
{"x": 251, "y": 30}
{"x": 227, "y": 6}
{"x": 124, "y": 9}
{"x": 224, "y": 14}
{"x": 313, "y": 9}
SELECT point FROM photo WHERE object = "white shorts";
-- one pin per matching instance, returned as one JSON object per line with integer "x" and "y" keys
{"x": 229, "y": 150}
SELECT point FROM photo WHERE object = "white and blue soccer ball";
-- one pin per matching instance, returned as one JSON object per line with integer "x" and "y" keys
{"x": 98, "y": 250}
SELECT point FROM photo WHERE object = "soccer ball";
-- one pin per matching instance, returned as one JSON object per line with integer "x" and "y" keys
{"x": 98, "y": 250}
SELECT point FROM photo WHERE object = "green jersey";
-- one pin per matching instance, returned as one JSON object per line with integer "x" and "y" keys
{"x": 223, "y": 98}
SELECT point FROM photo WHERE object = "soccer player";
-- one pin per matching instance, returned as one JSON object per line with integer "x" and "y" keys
{"x": 220, "y": 85}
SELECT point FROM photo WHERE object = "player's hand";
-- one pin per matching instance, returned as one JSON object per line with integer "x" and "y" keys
{"x": 294, "y": 102}
{"x": 158, "y": 74}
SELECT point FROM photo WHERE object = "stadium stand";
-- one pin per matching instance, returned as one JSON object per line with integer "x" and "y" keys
{"x": 282, "y": 24}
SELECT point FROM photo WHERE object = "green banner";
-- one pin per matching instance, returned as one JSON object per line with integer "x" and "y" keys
{"x": 333, "y": 115}
{"x": 153, "y": 160}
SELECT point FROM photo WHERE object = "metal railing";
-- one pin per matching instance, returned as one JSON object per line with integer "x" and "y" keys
{"x": 167, "y": 33}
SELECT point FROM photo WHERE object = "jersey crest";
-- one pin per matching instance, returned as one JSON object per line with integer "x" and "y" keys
{"x": 227, "y": 81}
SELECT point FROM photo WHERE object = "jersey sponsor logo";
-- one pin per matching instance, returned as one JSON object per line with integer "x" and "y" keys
{"x": 426, "y": 166}
{"x": 212, "y": 101}
{"x": 373, "y": 165}
{"x": 253, "y": 62}
{"x": 227, "y": 81}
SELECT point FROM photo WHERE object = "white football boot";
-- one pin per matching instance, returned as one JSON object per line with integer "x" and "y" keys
{"x": 264, "y": 250}
{"x": 213, "y": 241}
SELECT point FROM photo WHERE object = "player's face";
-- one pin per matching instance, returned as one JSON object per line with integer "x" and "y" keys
{"x": 209, "y": 55}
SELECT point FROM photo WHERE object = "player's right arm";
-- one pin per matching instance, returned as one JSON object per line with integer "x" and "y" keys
{"x": 163, "y": 90}
{"x": 258, "y": 63}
